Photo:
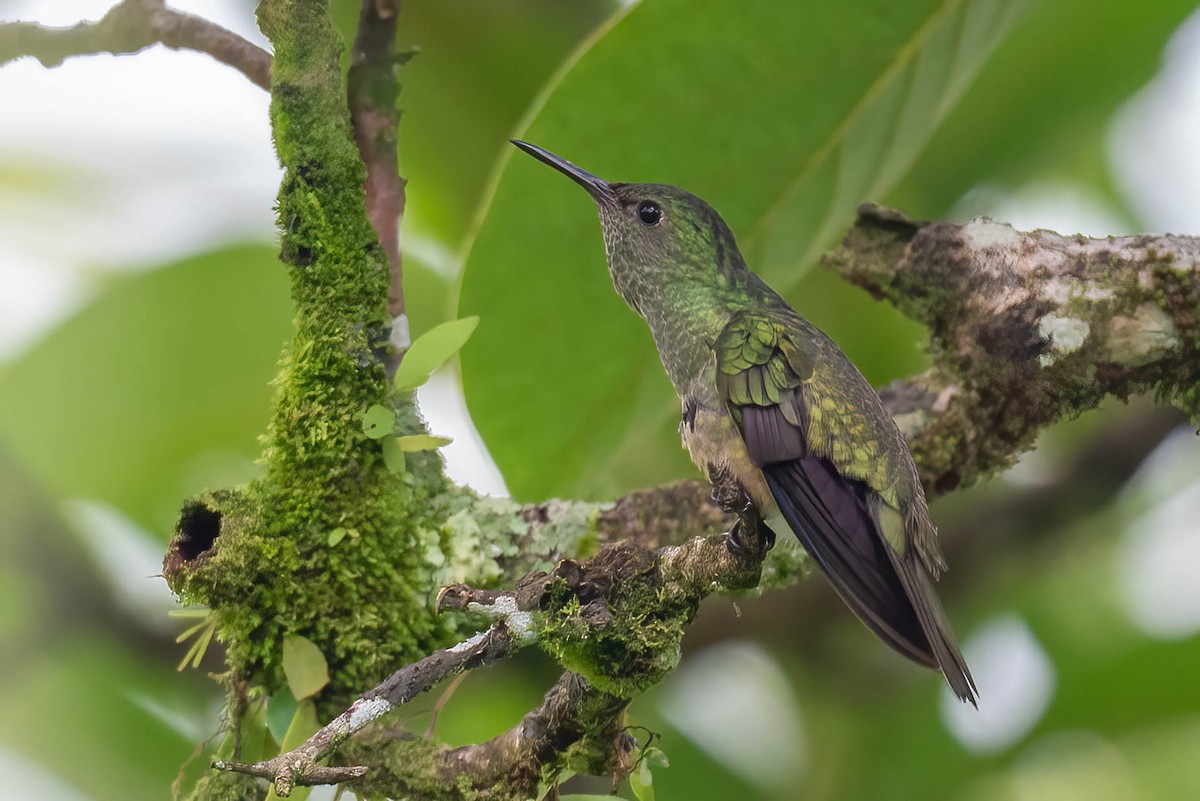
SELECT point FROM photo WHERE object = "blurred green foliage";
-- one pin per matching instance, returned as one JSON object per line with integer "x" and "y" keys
{"x": 785, "y": 117}
{"x": 157, "y": 388}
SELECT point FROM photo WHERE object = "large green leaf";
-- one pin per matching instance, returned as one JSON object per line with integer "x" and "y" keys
{"x": 784, "y": 116}
{"x": 158, "y": 389}
{"x": 1043, "y": 102}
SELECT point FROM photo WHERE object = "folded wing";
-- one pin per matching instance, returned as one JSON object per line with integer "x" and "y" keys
{"x": 859, "y": 540}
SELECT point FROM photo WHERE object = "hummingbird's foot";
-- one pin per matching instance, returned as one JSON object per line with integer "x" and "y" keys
{"x": 767, "y": 534}
{"x": 729, "y": 496}
{"x": 740, "y": 545}
{"x": 750, "y": 536}
{"x": 733, "y": 543}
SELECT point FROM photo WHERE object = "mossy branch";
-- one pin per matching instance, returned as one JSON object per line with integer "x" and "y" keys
{"x": 263, "y": 558}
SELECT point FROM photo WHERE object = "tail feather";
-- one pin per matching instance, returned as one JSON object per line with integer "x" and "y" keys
{"x": 919, "y": 588}
{"x": 890, "y": 592}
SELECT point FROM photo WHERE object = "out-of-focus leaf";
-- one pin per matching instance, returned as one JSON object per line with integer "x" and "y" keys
{"x": 785, "y": 117}
{"x": 156, "y": 390}
{"x": 431, "y": 350}
{"x": 378, "y": 421}
{"x": 304, "y": 666}
{"x": 280, "y": 711}
{"x": 256, "y": 739}
{"x": 336, "y": 536}
{"x": 72, "y": 712}
{"x": 1043, "y": 102}
{"x": 480, "y": 65}
{"x": 655, "y": 756}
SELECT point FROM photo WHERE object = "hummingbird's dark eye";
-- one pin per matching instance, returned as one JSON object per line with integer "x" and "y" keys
{"x": 649, "y": 213}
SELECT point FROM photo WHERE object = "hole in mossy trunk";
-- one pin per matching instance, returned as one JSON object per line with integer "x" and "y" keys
{"x": 199, "y": 528}
{"x": 195, "y": 534}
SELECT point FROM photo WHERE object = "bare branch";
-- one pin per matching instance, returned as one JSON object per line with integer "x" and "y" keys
{"x": 130, "y": 27}
{"x": 373, "y": 92}
{"x": 571, "y": 712}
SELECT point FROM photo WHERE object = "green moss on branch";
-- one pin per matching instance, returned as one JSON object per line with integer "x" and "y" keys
{"x": 271, "y": 570}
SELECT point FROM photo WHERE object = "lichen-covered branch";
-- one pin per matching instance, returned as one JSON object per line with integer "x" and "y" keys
{"x": 1025, "y": 329}
{"x": 130, "y": 27}
{"x": 300, "y": 765}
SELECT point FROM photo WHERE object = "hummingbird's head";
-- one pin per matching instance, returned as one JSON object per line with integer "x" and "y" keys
{"x": 660, "y": 241}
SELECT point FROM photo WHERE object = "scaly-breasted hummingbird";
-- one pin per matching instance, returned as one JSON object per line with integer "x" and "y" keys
{"x": 772, "y": 407}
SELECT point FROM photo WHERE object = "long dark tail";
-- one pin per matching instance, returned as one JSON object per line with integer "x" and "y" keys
{"x": 891, "y": 593}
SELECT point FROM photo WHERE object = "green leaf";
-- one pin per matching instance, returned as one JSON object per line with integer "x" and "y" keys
{"x": 412, "y": 443}
{"x": 304, "y": 666}
{"x": 655, "y": 756}
{"x": 431, "y": 350}
{"x": 641, "y": 781}
{"x": 199, "y": 612}
{"x": 256, "y": 736}
{"x": 463, "y": 96}
{"x": 304, "y": 725}
{"x": 590, "y": 797}
{"x": 378, "y": 421}
{"x": 393, "y": 456}
{"x": 280, "y": 710}
{"x": 336, "y": 536}
{"x": 821, "y": 105}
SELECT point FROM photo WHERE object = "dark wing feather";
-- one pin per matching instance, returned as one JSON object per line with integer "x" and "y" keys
{"x": 769, "y": 437}
{"x": 761, "y": 374}
{"x": 829, "y": 516}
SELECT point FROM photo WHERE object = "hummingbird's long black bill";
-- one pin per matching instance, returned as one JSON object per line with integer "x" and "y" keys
{"x": 597, "y": 187}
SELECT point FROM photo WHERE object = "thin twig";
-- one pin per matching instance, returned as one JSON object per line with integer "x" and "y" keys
{"x": 441, "y": 702}
{"x": 130, "y": 27}
{"x": 373, "y": 92}
{"x": 299, "y": 767}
